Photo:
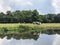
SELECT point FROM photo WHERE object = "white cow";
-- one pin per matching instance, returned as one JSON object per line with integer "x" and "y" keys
{"x": 37, "y": 23}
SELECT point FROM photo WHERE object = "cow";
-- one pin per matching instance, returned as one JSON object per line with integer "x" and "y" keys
{"x": 38, "y": 23}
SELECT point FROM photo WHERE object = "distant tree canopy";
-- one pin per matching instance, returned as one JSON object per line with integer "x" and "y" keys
{"x": 28, "y": 16}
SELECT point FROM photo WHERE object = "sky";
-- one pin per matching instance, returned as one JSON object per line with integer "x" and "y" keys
{"x": 43, "y": 6}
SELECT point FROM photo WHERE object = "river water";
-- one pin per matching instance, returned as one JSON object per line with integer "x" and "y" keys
{"x": 42, "y": 39}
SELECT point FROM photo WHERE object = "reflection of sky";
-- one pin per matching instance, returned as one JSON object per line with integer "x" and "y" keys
{"x": 56, "y": 40}
{"x": 43, "y": 40}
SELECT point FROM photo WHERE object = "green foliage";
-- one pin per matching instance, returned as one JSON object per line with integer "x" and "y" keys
{"x": 35, "y": 15}
{"x": 28, "y": 16}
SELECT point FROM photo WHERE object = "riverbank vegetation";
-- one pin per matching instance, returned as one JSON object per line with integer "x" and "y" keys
{"x": 22, "y": 22}
{"x": 27, "y": 28}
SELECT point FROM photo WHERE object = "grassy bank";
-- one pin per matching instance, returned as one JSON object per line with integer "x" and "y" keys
{"x": 27, "y": 28}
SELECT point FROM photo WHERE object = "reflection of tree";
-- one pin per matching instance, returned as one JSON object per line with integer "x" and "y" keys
{"x": 32, "y": 35}
{"x": 49, "y": 32}
{"x": 2, "y": 36}
{"x": 20, "y": 36}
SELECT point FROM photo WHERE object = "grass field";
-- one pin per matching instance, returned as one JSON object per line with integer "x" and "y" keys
{"x": 44, "y": 25}
{"x": 27, "y": 28}
{"x": 31, "y": 25}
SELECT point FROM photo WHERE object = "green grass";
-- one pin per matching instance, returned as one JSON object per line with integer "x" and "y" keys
{"x": 27, "y": 28}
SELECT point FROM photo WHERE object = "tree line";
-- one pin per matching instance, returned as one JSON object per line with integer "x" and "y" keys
{"x": 28, "y": 16}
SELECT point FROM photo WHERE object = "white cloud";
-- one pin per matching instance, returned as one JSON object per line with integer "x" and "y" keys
{"x": 23, "y": 3}
{"x": 1, "y": 1}
{"x": 42, "y": 5}
{"x": 6, "y": 5}
{"x": 29, "y": 3}
{"x": 56, "y": 5}
{"x": 3, "y": 7}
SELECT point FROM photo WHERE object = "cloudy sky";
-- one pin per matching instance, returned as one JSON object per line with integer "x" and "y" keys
{"x": 43, "y": 6}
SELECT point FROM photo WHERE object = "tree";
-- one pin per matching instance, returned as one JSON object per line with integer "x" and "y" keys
{"x": 27, "y": 16}
{"x": 57, "y": 18}
{"x": 35, "y": 15}
{"x": 2, "y": 16}
{"x": 50, "y": 17}
{"x": 9, "y": 17}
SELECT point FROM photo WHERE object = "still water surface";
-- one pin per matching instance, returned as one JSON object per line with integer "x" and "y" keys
{"x": 43, "y": 39}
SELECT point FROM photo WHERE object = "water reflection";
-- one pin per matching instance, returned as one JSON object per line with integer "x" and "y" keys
{"x": 43, "y": 39}
{"x": 50, "y": 32}
{"x": 19, "y": 36}
{"x": 32, "y": 35}
{"x": 33, "y": 38}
